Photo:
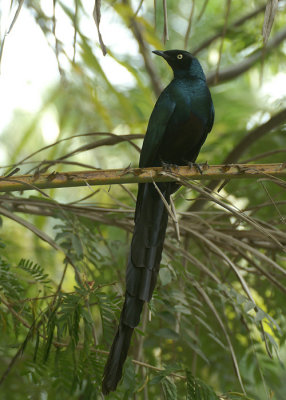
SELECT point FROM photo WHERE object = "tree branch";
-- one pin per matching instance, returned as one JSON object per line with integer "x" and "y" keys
{"x": 136, "y": 28}
{"x": 235, "y": 70}
{"x": 254, "y": 135}
{"x": 236, "y": 24}
{"x": 139, "y": 175}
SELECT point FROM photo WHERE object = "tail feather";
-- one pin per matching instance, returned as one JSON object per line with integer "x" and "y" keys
{"x": 118, "y": 353}
{"x": 151, "y": 220}
{"x": 113, "y": 369}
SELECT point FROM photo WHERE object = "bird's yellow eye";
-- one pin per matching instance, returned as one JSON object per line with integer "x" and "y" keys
{"x": 180, "y": 56}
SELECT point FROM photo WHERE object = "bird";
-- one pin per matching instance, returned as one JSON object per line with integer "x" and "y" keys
{"x": 178, "y": 126}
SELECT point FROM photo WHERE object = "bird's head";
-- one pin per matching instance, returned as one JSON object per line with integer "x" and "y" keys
{"x": 182, "y": 63}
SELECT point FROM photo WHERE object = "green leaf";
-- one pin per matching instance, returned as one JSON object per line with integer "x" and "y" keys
{"x": 35, "y": 270}
{"x": 199, "y": 390}
{"x": 169, "y": 389}
{"x": 77, "y": 245}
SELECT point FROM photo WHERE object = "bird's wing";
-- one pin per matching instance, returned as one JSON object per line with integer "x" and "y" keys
{"x": 157, "y": 125}
{"x": 211, "y": 118}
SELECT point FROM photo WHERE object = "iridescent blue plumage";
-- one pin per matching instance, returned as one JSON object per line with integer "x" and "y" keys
{"x": 179, "y": 124}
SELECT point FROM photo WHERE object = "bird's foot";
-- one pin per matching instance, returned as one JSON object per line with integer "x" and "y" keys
{"x": 197, "y": 166}
{"x": 168, "y": 167}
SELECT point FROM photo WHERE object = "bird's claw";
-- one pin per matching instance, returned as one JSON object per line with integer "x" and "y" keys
{"x": 197, "y": 166}
{"x": 168, "y": 167}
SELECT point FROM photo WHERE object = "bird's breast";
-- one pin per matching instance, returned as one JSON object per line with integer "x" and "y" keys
{"x": 187, "y": 128}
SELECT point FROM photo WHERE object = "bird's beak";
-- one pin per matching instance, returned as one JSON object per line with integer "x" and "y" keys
{"x": 160, "y": 53}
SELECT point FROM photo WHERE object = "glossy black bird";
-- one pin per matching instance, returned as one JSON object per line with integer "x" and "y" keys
{"x": 179, "y": 124}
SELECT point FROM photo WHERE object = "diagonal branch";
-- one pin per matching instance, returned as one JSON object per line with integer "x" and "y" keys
{"x": 137, "y": 31}
{"x": 235, "y": 24}
{"x": 255, "y": 135}
{"x": 235, "y": 70}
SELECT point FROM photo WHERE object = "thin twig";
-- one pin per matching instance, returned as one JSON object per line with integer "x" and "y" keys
{"x": 263, "y": 155}
{"x": 175, "y": 219}
{"x": 109, "y": 141}
{"x": 138, "y": 8}
{"x": 166, "y": 32}
{"x": 235, "y": 24}
{"x": 252, "y": 137}
{"x": 202, "y": 10}
{"x": 228, "y": 3}
{"x": 75, "y": 25}
{"x": 188, "y": 31}
{"x": 218, "y": 318}
{"x": 137, "y": 31}
{"x": 57, "y": 42}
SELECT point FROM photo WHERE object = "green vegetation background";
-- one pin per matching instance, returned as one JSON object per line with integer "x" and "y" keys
{"x": 63, "y": 254}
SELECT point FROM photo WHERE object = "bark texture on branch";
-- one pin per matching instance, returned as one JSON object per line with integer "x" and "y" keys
{"x": 138, "y": 175}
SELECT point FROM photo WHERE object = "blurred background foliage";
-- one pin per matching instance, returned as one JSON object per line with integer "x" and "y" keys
{"x": 218, "y": 317}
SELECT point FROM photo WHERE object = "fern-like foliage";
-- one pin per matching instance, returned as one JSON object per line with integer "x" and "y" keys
{"x": 10, "y": 283}
{"x": 199, "y": 390}
{"x": 35, "y": 270}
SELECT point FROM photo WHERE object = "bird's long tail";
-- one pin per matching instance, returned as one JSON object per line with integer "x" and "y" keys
{"x": 151, "y": 219}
